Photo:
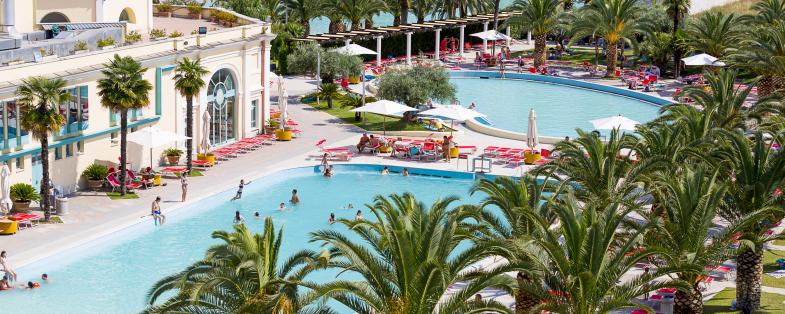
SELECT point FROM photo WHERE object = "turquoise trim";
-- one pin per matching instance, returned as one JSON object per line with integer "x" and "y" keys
{"x": 158, "y": 72}
{"x": 70, "y": 140}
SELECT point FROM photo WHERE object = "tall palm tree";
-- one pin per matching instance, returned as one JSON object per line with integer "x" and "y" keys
{"x": 683, "y": 238}
{"x": 763, "y": 53}
{"x": 677, "y": 9}
{"x": 768, "y": 12}
{"x": 421, "y": 8}
{"x": 188, "y": 81}
{"x": 540, "y": 17}
{"x": 662, "y": 141}
{"x": 242, "y": 274}
{"x": 756, "y": 172}
{"x": 39, "y": 98}
{"x": 614, "y": 20}
{"x": 404, "y": 13}
{"x": 355, "y": 11}
{"x": 393, "y": 8}
{"x": 580, "y": 263}
{"x": 123, "y": 88}
{"x": 713, "y": 33}
{"x": 304, "y": 11}
{"x": 407, "y": 259}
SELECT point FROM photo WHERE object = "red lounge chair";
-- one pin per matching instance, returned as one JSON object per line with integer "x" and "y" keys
{"x": 115, "y": 184}
{"x": 201, "y": 163}
{"x": 320, "y": 145}
{"x": 174, "y": 170}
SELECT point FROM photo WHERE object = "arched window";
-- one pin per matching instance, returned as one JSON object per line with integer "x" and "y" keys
{"x": 127, "y": 16}
{"x": 55, "y": 17}
{"x": 221, "y": 105}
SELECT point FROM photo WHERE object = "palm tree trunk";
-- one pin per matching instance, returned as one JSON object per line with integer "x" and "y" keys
{"x": 420, "y": 19}
{"x": 676, "y": 50}
{"x": 462, "y": 10}
{"x": 189, "y": 131}
{"x": 368, "y": 23}
{"x": 396, "y": 20}
{"x": 567, "y": 5}
{"x": 768, "y": 85}
{"x": 45, "y": 177}
{"x": 539, "y": 50}
{"x": 688, "y": 302}
{"x": 610, "y": 58}
{"x": 123, "y": 145}
{"x": 749, "y": 269}
{"x": 356, "y": 25}
{"x": 307, "y": 26}
{"x": 404, "y": 18}
{"x": 524, "y": 301}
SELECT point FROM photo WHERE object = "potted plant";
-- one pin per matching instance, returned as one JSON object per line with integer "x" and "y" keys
{"x": 95, "y": 175}
{"x": 195, "y": 10}
{"x": 133, "y": 37}
{"x": 106, "y": 43}
{"x": 23, "y": 194}
{"x": 175, "y": 34}
{"x": 210, "y": 157}
{"x": 173, "y": 155}
{"x": 271, "y": 126}
{"x": 164, "y": 10}
{"x": 156, "y": 34}
{"x": 80, "y": 47}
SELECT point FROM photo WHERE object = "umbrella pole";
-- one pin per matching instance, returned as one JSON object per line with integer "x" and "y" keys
{"x": 384, "y": 125}
{"x": 151, "y": 158}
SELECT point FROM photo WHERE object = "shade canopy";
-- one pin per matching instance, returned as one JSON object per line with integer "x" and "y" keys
{"x": 532, "y": 136}
{"x": 491, "y": 35}
{"x": 205, "y": 143}
{"x": 154, "y": 137}
{"x": 354, "y": 50}
{"x": 5, "y": 189}
{"x": 384, "y": 107}
{"x": 452, "y": 112}
{"x": 703, "y": 59}
{"x": 615, "y": 122}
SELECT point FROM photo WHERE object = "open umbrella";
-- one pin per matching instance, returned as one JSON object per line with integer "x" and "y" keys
{"x": 492, "y": 35}
{"x": 5, "y": 189}
{"x": 354, "y": 50}
{"x": 384, "y": 108}
{"x": 615, "y": 122}
{"x": 453, "y": 113}
{"x": 154, "y": 137}
{"x": 532, "y": 136}
{"x": 206, "y": 119}
{"x": 703, "y": 59}
{"x": 283, "y": 102}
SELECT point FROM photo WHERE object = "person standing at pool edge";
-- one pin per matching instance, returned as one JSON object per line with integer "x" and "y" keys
{"x": 295, "y": 199}
{"x": 240, "y": 190}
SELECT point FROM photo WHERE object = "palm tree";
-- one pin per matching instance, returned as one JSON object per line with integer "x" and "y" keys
{"x": 614, "y": 20}
{"x": 328, "y": 91}
{"x": 579, "y": 264}
{"x": 421, "y": 9}
{"x": 242, "y": 274}
{"x": 393, "y": 8}
{"x": 540, "y": 17}
{"x": 304, "y": 11}
{"x": 355, "y": 11}
{"x": 763, "y": 53}
{"x": 121, "y": 89}
{"x": 677, "y": 9}
{"x": 39, "y": 98}
{"x": 662, "y": 141}
{"x": 689, "y": 201}
{"x": 188, "y": 81}
{"x": 769, "y": 12}
{"x": 756, "y": 172}
{"x": 713, "y": 33}
{"x": 408, "y": 259}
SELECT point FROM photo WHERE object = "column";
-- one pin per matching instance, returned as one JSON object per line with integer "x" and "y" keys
{"x": 264, "y": 106}
{"x": 99, "y": 11}
{"x": 529, "y": 37}
{"x": 509, "y": 38}
{"x": 408, "y": 47}
{"x": 378, "y": 51}
{"x": 8, "y": 16}
{"x": 150, "y": 16}
{"x": 438, "y": 44}
{"x": 460, "y": 38}
{"x": 347, "y": 41}
{"x": 485, "y": 41}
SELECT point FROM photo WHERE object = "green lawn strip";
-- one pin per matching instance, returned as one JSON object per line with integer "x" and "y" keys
{"x": 194, "y": 173}
{"x": 373, "y": 122}
{"x": 720, "y": 303}
{"x": 116, "y": 196}
{"x": 770, "y": 265}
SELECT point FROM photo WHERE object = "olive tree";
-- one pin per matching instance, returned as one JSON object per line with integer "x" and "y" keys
{"x": 417, "y": 85}
{"x": 303, "y": 60}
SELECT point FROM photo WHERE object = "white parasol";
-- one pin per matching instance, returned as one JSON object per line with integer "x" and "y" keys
{"x": 5, "y": 189}
{"x": 154, "y": 137}
{"x": 532, "y": 136}
{"x": 354, "y": 49}
{"x": 206, "y": 120}
{"x": 384, "y": 108}
{"x": 615, "y": 122}
{"x": 703, "y": 59}
{"x": 491, "y": 35}
{"x": 452, "y": 112}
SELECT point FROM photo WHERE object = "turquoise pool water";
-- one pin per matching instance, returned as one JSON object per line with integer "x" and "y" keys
{"x": 114, "y": 274}
{"x": 560, "y": 109}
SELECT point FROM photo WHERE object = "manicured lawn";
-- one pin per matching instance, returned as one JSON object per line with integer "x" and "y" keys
{"x": 579, "y": 55}
{"x": 194, "y": 173}
{"x": 770, "y": 265}
{"x": 373, "y": 122}
{"x": 720, "y": 303}
{"x": 116, "y": 196}
{"x": 52, "y": 220}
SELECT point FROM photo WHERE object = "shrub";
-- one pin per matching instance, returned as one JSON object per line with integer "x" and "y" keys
{"x": 133, "y": 37}
{"x": 164, "y": 7}
{"x": 175, "y": 34}
{"x": 106, "y": 42}
{"x": 80, "y": 45}
{"x": 95, "y": 172}
{"x": 23, "y": 192}
{"x": 157, "y": 33}
{"x": 173, "y": 151}
{"x": 194, "y": 8}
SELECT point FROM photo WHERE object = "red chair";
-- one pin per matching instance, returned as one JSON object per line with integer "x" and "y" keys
{"x": 545, "y": 153}
{"x": 617, "y": 73}
{"x": 467, "y": 46}
{"x": 532, "y": 70}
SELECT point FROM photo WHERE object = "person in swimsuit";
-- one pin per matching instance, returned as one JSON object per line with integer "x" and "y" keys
{"x": 4, "y": 284}
{"x": 331, "y": 220}
{"x": 238, "y": 220}
{"x": 240, "y": 190}
{"x": 184, "y": 185}
{"x": 325, "y": 163}
{"x": 282, "y": 207}
{"x": 7, "y": 267}
{"x": 358, "y": 216}
{"x": 328, "y": 172}
{"x": 385, "y": 170}
{"x": 155, "y": 211}
{"x": 257, "y": 216}
{"x": 405, "y": 172}
{"x": 295, "y": 199}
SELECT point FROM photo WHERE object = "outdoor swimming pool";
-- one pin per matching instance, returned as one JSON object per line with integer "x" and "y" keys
{"x": 113, "y": 276}
{"x": 560, "y": 109}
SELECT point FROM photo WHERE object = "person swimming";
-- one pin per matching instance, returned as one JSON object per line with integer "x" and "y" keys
{"x": 257, "y": 216}
{"x": 358, "y": 216}
{"x": 238, "y": 219}
{"x": 282, "y": 207}
{"x": 385, "y": 170}
{"x": 240, "y": 190}
{"x": 33, "y": 285}
{"x": 331, "y": 220}
{"x": 405, "y": 172}
{"x": 44, "y": 278}
{"x": 295, "y": 199}
{"x": 4, "y": 284}
{"x": 328, "y": 172}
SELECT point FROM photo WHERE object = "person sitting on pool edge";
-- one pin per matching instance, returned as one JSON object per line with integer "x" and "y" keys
{"x": 4, "y": 284}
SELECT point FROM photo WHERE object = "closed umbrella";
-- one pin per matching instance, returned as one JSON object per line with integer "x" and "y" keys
{"x": 532, "y": 136}
{"x": 154, "y": 137}
{"x": 615, "y": 122}
{"x": 5, "y": 189}
{"x": 206, "y": 120}
{"x": 384, "y": 108}
{"x": 283, "y": 102}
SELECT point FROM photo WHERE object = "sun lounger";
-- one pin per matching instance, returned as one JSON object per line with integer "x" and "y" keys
{"x": 115, "y": 184}
{"x": 23, "y": 220}
{"x": 201, "y": 163}
{"x": 174, "y": 171}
